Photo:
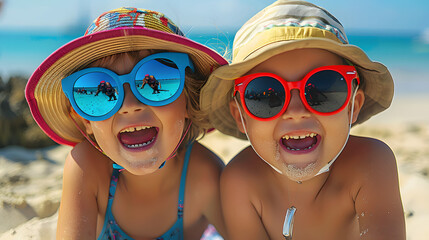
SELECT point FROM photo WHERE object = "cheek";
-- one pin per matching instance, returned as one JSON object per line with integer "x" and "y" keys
{"x": 180, "y": 123}
{"x": 102, "y": 132}
{"x": 261, "y": 135}
{"x": 258, "y": 129}
{"x": 336, "y": 130}
{"x": 173, "y": 116}
{"x": 176, "y": 129}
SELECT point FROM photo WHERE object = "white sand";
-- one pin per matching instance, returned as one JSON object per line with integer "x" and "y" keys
{"x": 30, "y": 180}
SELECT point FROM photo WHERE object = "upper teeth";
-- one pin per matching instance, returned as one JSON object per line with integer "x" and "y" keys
{"x": 133, "y": 129}
{"x": 299, "y": 136}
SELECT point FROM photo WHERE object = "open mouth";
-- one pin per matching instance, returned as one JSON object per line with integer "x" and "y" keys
{"x": 138, "y": 137}
{"x": 300, "y": 143}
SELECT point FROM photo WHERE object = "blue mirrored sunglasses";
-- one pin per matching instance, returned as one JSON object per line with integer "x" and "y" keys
{"x": 97, "y": 93}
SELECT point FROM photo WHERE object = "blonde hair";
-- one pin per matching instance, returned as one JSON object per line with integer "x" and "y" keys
{"x": 193, "y": 84}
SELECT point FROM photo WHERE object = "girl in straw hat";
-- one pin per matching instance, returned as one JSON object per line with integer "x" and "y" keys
{"x": 135, "y": 170}
{"x": 294, "y": 89}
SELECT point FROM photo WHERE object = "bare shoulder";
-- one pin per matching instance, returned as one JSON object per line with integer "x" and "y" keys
{"x": 85, "y": 164}
{"x": 376, "y": 196}
{"x": 246, "y": 166}
{"x": 246, "y": 177}
{"x": 371, "y": 145}
{"x": 203, "y": 176}
{"x": 366, "y": 162}
{"x": 86, "y": 176}
{"x": 244, "y": 182}
{"x": 87, "y": 159}
{"x": 205, "y": 168}
{"x": 202, "y": 187}
{"x": 205, "y": 157}
{"x": 369, "y": 153}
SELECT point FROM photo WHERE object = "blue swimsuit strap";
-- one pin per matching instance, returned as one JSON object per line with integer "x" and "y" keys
{"x": 117, "y": 168}
{"x": 183, "y": 181}
{"x": 113, "y": 184}
{"x": 179, "y": 221}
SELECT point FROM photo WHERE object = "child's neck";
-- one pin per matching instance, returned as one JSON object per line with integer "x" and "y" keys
{"x": 309, "y": 187}
{"x": 156, "y": 182}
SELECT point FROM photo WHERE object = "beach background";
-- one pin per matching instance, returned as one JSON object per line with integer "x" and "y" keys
{"x": 392, "y": 32}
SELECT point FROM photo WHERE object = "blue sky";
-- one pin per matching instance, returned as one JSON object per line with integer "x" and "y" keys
{"x": 360, "y": 15}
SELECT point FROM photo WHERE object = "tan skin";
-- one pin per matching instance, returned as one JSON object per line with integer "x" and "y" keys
{"x": 357, "y": 199}
{"x": 146, "y": 198}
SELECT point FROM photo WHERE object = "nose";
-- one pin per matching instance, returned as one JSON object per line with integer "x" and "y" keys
{"x": 296, "y": 108}
{"x": 131, "y": 103}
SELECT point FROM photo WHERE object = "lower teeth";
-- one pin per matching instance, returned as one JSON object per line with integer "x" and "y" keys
{"x": 140, "y": 144}
{"x": 297, "y": 149}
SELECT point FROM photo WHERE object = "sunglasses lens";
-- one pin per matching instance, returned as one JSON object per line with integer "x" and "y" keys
{"x": 264, "y": 97}
{"x": 95, "y": 93}
{"x": 158, "y": 79}
{"x": 326, "y": 91}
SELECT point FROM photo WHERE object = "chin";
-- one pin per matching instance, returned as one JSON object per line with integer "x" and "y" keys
{"x": 300, "y": 173}
{"x": 142, "y": 167}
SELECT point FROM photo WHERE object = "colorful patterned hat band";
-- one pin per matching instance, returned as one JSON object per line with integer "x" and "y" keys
{"x": 133, "y": 18}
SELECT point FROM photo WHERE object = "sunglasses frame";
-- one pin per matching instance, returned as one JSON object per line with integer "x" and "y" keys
{"x": 348, "y": 72}
{"x": 182, "y": 61}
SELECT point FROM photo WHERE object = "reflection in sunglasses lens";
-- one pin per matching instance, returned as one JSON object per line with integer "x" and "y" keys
{"x": 158, "y": 79}
{"x": 326, "y": 91}
{"x": 264, "y": 97}
{"x": 95, "y": 93}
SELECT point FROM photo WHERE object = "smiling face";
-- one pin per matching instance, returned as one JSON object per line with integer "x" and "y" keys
{"x": 298, "y": 143}
{"x": 139, "y": 137}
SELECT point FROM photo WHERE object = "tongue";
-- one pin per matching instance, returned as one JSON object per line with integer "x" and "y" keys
{"x": 299, "y": 143}
{"x": 137, "y": 137}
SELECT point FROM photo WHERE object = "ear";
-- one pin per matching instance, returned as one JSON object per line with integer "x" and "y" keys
{"x": 358, "y": 103}
{"x": 235, "y": 112}
{"x": 88, "y": 126}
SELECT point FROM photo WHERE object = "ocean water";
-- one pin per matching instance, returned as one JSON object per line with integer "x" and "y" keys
{"x": 407, "y": 57}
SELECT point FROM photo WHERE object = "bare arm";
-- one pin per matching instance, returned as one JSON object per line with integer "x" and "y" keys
{"x": 143, "y": 83}
{"x": 378, "y": 203}
{"x": 78, "y": 210}
{"x": 206, "y": 168}
{"x": 241, "y": 218}
{"x": 213, "y": 210}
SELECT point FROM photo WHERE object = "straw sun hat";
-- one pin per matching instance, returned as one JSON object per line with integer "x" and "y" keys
{"x": 116, "y": 31}
{"x": 285, "y": 26}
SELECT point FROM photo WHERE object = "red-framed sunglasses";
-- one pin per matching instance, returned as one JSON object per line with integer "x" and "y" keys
{"x": 324, "y": 91}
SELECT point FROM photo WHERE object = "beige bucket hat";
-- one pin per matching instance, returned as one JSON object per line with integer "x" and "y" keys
{"x": 283, "y": 26}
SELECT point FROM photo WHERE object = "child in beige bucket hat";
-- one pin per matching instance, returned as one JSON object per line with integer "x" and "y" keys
{"x": 294, "y": 89}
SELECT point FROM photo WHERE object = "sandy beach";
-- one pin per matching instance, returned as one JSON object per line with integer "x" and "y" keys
{"x": 30, "y": 180}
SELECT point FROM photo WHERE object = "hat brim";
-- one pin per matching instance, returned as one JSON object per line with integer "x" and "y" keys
{"x": 216, "y": 94}
{"x": 49, "y": 105}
